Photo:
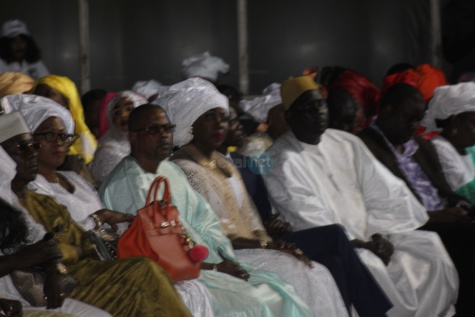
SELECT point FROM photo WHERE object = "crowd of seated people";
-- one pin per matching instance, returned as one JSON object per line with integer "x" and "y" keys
{"x": 323, "y": 196}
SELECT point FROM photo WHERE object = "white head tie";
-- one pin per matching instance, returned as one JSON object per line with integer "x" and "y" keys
{"x": 136, "y": 99}
{"x": 260, "y": 106}
{"x": 36, "y": 109}
{"x": 448, "y": 101}
{"x": 204, "y": 66}
{"x": 147, "y": 88}
{"x": 186, "y": 101}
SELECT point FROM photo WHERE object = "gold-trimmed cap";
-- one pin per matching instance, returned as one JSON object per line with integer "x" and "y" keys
{"x": 292, "y": 88}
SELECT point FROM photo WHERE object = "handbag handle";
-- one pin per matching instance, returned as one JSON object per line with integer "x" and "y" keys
{"x": 154, "y": 190}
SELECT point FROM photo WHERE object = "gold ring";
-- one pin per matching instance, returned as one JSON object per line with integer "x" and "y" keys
{"x": 298, "y": 251}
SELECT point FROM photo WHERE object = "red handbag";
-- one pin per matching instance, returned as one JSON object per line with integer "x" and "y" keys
{"x": 157, "y": 233}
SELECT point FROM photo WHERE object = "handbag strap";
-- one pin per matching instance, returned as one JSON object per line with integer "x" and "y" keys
{"x": 153, "y": 193}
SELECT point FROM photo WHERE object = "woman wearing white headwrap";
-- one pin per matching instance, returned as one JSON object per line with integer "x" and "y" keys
{"x": 452, "y": 110}
{"x": 114, "y": 145}
{"x": 51, "y": 123}
{"x": 218, "y": 181}
{"x": 67, "y": 187}
{"x": 266, "y": 108}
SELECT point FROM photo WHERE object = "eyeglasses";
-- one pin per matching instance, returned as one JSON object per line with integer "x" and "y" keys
{"x": 54, "y": 137}
{"x": 27, "y": 148}
{"x": 158, "y": 129}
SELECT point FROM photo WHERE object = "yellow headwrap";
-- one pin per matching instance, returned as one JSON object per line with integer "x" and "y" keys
{"x": 12, "y": 83}
{"x": 86, "y": 144}
{"x": 292, "y": 88}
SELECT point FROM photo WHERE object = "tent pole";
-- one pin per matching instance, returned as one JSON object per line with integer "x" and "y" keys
{"x": 84, "y": 45}
{"x": 243, "y": 47}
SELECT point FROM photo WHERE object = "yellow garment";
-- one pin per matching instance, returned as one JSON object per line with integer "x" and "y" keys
{"x": 135, "y": 286}
{"x": 86, "y": 144}
{"x": 56, "y": 218}
{"x": 292, "y": 88}
{"x": 12, "y": 83}
{"x": 232, "y": 149}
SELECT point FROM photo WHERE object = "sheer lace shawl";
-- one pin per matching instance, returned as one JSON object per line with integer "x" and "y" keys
{"x": 238, "y": 215}
{"x": 113, "y": 147}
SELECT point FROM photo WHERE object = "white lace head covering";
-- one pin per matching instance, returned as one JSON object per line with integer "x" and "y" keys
{"x": 448, "y": 101}
{"x": 205, "y": 66}
{"x": 186, "y": 101}
{"x": 36, "y": 109}
{"x": 13, "y": 28}
{"x": 260, "y": 106}
{"x": 147, "y": 88}
{"x": 137, "y": 99}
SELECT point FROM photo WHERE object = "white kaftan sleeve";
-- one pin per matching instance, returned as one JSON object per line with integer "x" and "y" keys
{"x": 294, "y": 197}
{"x": 391, "y": 206}
{"x": 458, "y": 170}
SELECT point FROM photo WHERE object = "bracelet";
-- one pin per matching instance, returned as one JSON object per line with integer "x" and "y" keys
{"x": 61, "y": 268}
{"x": 298, "y": 251}
{"x": 215, "y": 267}
{"x": 96, "y": 219}
{"x": 58, "y": 268}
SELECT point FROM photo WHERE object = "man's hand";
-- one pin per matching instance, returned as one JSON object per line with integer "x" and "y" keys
{"x": 452, "y": 214}
{"x": 112, "y": 217}
{"x": 378, "y": 245}
{"x": 11, "y": 308}
{"x": 291, "y": 249}
{"x": 234, "y": 269}
{"x": 276, "y": 227}
{"x": 54, "y": 290}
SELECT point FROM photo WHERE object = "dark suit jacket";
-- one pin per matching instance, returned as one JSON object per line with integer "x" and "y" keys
{"x": 425, "y": 155}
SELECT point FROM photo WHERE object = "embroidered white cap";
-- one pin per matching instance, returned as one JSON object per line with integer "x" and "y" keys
{"x": 11, "y": 125}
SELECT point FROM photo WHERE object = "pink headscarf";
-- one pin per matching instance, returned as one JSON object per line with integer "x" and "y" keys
{"x": 103, "y": 124}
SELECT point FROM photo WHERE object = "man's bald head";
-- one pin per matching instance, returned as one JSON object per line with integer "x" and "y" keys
{"x": 138, "y": 116}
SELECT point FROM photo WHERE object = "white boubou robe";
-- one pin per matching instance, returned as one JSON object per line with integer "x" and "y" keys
{"x": 339, "y": 181}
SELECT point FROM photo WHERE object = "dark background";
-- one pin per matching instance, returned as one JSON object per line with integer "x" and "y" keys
{"x": 134, "y": 40}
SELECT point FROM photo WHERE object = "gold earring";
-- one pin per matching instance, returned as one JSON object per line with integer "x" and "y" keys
{"x": 190, "y": 130}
